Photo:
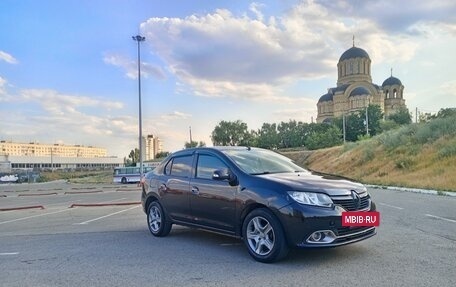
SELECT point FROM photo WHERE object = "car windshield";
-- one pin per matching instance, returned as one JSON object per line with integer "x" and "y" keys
{"x": 259, "y": 161}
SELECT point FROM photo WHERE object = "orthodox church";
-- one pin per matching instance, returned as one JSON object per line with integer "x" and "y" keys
{"x": 355, "y": 90}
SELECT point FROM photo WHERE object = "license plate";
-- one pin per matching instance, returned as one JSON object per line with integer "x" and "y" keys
{"x": 356, "y": 218}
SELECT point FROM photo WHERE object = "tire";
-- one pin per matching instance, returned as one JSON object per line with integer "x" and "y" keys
{"x": 123, "y": 180}
{"x": 157, "y": 221}
{"x": 264, "y": 237}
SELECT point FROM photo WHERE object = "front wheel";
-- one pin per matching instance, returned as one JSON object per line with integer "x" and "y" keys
{"x": 264, "y": 237}
{"x": 157, "y": 221}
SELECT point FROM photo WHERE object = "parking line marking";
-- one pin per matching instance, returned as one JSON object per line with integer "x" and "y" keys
{"x": 108, "y": 215}
{"x": 392, "y": 206}
{"x": 33, "y": 216}
{"x": 441, "y": 218}
{"x": 9, "y": 253}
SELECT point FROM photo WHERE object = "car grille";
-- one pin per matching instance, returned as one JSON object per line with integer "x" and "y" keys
{"x": 343, "y": 231}
{"x": 347, "y": 234}
{"x": 350, "y": 204}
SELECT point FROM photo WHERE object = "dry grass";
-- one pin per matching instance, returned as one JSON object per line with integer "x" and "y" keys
{"x": 428, "y": 166}
{"x": 104, "y": 176}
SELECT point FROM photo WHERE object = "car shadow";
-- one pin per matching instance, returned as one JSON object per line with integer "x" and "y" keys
{"x": 296, "y": 256}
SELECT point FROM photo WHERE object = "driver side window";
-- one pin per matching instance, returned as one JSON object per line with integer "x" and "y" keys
{"x": 206, "y": 166}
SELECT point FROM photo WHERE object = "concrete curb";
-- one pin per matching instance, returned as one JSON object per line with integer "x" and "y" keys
{"x": 22, "y": 207}
{"x": 415, "y": 190}
{"x": 128, "y": 189}
{"x": 82, "y": 192}
{"x": 37, "y": 194}
{"x": 103, "y": 204}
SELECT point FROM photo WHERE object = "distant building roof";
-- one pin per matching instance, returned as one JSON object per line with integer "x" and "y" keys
{"x": 354, "y": 52}
{"x": 359, "y": 91}
{"x": 392, "y": 81}
{"x": 326, "y": 97}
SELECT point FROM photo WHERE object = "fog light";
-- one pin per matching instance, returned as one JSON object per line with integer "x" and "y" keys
{"x": 321, "y": 237}
{"x": 316, "y": 236}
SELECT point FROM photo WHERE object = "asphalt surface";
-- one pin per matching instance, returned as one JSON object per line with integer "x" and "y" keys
{"x": 111, "y": 245}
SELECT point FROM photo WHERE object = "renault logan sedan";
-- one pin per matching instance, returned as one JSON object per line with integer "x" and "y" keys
{"x": 254, "y": 194}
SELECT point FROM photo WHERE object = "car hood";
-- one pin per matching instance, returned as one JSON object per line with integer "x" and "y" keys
{"x": 317, "y": 182}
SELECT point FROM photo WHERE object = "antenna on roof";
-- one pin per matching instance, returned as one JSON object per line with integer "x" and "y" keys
{"x": 353, "y": 40}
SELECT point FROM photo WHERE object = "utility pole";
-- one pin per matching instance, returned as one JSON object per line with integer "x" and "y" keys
{"x": 367, "y": 123}
{"x": 416, "y": 115}
{"x": 343, "y": 125}
{"x": 140, "y": 39}
{"x": 190, "y": 128}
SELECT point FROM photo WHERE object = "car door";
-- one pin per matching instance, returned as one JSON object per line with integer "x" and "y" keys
{"x": 174, "y": 187}
{"x": 212, "y": 202}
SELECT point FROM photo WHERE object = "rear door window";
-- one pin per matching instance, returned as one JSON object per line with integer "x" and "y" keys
{"x": 181, "y": 166}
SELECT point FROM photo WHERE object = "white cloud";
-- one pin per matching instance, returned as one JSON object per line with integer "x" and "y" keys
{"x": 176, "y": 115}
{"x": 255, "y": 8}
{"x": 448, "y": 88}
{"x": 221, "y": 54}
{"x": 60, "y": 103}
{"x": 298, "y": 114}
{"x": 394, "y": 16}
{"x": 131, "y": 67}
{"x": 7, "y": 58}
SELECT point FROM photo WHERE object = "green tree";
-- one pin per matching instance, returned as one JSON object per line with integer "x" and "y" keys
{"x": 425, "y": 117}
{"x": 127, "y": 161}
{"x": 162, "y": 154}
{"x": 228, "y": 133}
{"x": 323, "y": 136}
{"x": 134, "y": 156}
{"x": 448, "y": 112}
{"x": 194, "y": 144}
{"x": 355, "y": 123}
{"x": 291, "y": 133}
{"x": 375, "y": 116}
{"x": 401, "y": 117}
{"x": 268, "y": 136}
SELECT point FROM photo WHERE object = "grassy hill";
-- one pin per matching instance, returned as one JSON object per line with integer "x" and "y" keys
{"x": 418, "y": 155}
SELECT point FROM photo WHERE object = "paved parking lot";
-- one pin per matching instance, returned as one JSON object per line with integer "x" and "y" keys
{"x": 110, "y": 245}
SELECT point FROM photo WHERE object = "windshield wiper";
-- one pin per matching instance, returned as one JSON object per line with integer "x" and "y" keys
{"x": 260, "y": 173}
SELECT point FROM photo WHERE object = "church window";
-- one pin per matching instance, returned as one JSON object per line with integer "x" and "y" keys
{"x": 394, "y": 94}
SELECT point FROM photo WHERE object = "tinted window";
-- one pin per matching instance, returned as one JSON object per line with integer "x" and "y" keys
{"x": 258, "y": 161}
{"x": 182, "y": 166}
{"x": 168, "y": 167}
{"x": 207, "y": 164}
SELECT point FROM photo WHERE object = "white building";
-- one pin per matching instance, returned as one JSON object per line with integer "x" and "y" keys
{"x": 153, "y": 146}
{"x": 45, "y": 156}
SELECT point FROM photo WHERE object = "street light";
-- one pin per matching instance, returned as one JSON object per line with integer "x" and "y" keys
{"x": 140, "y": 39}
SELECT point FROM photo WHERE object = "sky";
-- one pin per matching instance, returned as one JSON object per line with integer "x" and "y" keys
{"x": 68, "y": 69}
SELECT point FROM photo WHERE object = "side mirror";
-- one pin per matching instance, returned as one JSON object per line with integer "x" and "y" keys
{"x": 225, "y": 174}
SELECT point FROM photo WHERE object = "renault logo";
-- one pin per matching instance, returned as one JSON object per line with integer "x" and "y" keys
{"x": 356, "y": 199}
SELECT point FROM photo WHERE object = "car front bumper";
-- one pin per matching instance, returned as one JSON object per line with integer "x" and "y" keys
{"x": 302, "y": 221}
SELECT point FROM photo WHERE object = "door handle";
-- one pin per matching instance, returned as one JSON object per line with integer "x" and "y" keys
{"x": 195, "y": 190}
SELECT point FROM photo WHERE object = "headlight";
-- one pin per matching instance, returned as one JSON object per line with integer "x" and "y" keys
{"x": 311, "y": 198}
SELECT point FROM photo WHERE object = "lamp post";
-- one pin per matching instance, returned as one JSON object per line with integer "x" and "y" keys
{"x": 140, "y": 39}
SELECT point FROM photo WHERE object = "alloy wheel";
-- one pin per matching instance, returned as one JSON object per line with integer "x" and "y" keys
{"x": 155, "y": 219}
{"x": 260, "y": 235}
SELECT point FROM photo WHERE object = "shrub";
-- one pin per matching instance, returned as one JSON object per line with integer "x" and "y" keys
{"x": 404, "y": 163}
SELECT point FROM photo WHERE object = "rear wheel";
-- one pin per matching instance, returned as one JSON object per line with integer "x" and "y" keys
{"x": 157, "y": 221}
{"x": 264, "y": 236}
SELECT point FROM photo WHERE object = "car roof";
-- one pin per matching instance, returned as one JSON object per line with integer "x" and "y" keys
{"x": 214, "y": 148}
